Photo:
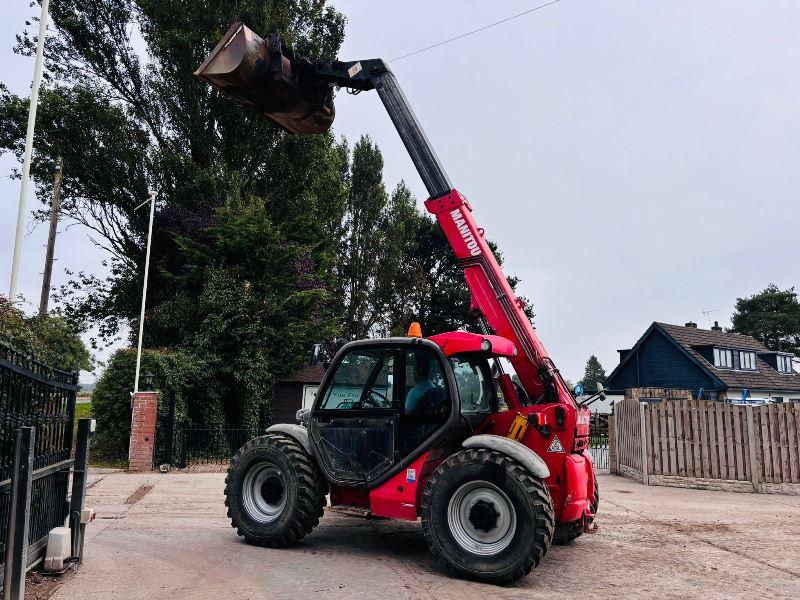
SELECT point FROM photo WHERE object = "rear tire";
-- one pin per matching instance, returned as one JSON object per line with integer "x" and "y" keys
{"x": 274, "y": 491}
{"x": 486, "y": 517}
{"x": 566, "y": 533}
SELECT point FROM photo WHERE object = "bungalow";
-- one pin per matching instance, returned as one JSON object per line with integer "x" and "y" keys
{"x": 714, "y": 364}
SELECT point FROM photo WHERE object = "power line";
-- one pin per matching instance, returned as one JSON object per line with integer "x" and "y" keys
{"x": 463, "y": 35}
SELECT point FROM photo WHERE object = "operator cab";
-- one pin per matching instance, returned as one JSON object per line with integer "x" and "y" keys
{"x": 384, "y": 402}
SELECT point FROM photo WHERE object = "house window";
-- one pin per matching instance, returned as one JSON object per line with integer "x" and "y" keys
{"x": 784, "y": 364}
{"x": 723, "y": 358}
{"x": 747, "y": 360}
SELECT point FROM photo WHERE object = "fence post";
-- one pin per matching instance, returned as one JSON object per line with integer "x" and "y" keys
{"x": 643, "y": 438}
{"x": 17, "y": 535}
{"x": 613, "y": 459}
{"x": 169, "y": 433}
{"x": 85, "y": 430}
{"x": 751, "y": 443}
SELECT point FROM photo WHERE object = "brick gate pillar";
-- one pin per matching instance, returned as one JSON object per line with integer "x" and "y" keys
{"x": 143, "y": 431}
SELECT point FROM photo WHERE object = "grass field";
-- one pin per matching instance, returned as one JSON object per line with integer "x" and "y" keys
{"x": 82, "y": 411}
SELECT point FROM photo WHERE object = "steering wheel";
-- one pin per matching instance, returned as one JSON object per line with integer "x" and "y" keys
{"x": 380, "y": 402}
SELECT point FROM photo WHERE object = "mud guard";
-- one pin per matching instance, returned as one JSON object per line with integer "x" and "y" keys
{"x": 296, "y": 432}
{"x": 580, "y": 480}
{"x": 519, "y": 452}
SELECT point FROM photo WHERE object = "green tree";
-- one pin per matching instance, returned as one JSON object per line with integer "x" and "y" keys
{"x": 593, "y": 374}
{"x": 772, "y": 316}
{"x": 129, "y": 115}
{"x": 248, "y": 217}
{"x": 395, "y": 264}
{"x": 365, "y": 245}
{"x": 51, "y": 339}
{"x": 254, "y": 298}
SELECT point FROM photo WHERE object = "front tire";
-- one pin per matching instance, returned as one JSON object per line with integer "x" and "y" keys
{"x": 274, "y": 491}
{"x": 486, "y": 517}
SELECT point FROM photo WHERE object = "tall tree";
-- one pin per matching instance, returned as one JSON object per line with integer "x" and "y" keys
{"x": 772, "y": 316}
{"x": 593, "y": 374}
{"x": 364, "y": 249}
{"x": 247, "y": 218}
{"x": 122, "y": 107}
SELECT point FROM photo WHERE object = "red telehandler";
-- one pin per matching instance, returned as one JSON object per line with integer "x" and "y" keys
{"x": 412, "y": 427}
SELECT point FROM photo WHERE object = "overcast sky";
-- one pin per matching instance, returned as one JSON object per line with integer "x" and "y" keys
{"x": 635, "y": 161}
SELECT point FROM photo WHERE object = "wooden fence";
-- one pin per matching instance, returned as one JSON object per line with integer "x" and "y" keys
{"x": 709, "y": 444}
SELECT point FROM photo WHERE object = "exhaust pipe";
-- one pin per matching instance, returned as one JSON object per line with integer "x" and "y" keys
{"x": 269, "y": 79}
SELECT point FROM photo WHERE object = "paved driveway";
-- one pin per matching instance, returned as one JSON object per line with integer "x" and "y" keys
{"x": 174, "y": 541}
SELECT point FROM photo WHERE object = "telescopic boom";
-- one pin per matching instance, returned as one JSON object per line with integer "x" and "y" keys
{"x": 297, "y": 94}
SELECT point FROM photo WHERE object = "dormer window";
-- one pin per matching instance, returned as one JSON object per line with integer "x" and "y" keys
{"x": 784, "y": 364}
{"x": 747, "y": 361}
{"x": 723, "y": 359}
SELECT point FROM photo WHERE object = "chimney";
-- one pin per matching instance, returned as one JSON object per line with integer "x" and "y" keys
{"x": 716, "y": 326}
{"x": 691, "y": 324}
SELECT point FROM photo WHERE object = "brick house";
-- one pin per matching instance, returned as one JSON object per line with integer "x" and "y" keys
{"x": 709, "y": 362}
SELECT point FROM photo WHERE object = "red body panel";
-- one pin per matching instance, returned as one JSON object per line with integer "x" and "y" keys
{"x": 398, "y": 497}
{"x": 455, "y": 342}
{"x": 578, "y": 497}
{"x": 349, "y": 496}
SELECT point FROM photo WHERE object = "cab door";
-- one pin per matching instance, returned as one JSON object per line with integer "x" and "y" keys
{"x": 354, "y": 422}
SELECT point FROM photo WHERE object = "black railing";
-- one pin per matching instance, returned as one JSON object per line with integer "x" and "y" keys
{"x": 33, "y": 394}
{"x": 598, "y": 440}
{"x": 192, "y": 446}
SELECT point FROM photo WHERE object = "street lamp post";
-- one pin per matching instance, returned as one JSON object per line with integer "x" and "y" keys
{"x": 152, "y": 201}
{"x": 26, "y": 161}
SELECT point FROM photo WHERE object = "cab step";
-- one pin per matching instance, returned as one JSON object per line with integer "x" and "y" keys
{"x": 351, "y": 509}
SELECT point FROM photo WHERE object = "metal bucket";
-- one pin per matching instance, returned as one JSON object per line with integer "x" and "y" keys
{"x": 258, "y": 74}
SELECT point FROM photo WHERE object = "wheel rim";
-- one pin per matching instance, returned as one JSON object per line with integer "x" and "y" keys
{"x": 481, "y": 517}
{"x": 264, "y": 492}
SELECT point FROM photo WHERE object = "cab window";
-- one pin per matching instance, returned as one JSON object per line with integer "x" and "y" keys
{"x": 363, "y": 380}
{"x": 424, "y": 384}
{"x": 475, "y": 384}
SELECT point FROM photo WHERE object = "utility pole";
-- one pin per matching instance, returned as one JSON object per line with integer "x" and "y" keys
{"x": 26, "y": 161}
{"x": 51, "y": 238}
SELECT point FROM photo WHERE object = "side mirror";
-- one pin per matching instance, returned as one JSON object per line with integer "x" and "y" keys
{"x": 600, "y": 387}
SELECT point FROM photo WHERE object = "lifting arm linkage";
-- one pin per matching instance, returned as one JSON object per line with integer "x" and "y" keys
{"x": 491, "y": 295}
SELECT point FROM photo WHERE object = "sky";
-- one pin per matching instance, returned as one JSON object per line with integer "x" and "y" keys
{"x": 634, "y": 161}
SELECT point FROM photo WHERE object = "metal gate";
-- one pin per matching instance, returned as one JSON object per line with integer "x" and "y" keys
{"x": 180, "y": 445}
{"x": 598, "y": 440}
{"x": 32, "y": 394}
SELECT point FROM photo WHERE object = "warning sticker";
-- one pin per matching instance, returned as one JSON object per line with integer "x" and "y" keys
{"x": 354, "y": 70}
{"x": 411, "y": 475}
{"x": 555, "y": 445}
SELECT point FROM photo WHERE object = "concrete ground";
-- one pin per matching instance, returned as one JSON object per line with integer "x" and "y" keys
{"x": 173, "y": 540}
